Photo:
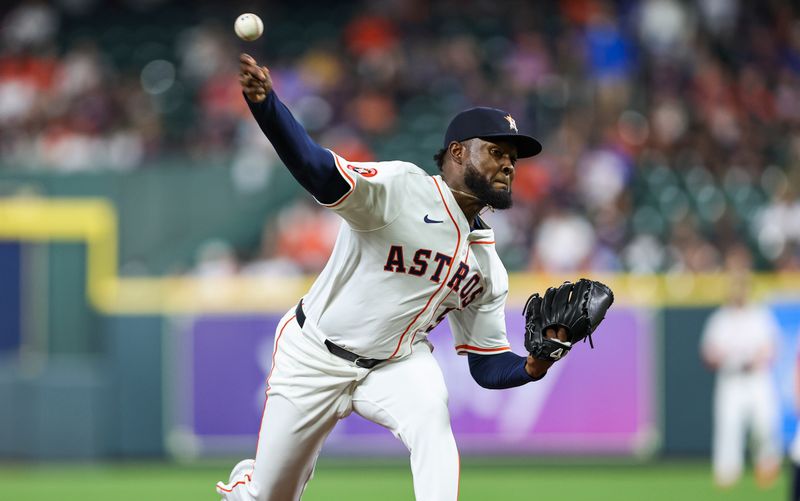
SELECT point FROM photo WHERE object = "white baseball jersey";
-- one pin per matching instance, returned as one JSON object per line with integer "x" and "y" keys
{"x": 739, "y": 334}
{"x": 404, "y": 259}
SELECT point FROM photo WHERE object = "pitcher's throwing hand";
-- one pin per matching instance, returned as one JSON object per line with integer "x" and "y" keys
{"x": 255, "y": 80}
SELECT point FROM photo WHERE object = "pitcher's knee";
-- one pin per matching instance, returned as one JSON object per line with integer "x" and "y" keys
{"x": 433, "y": 412}
{"x": 436, "y": 436}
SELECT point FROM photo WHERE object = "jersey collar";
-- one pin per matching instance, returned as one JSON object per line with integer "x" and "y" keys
{"x": 481, "y": 233}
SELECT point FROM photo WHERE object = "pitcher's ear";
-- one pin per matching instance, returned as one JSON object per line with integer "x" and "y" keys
{"x": 457, "y": 151}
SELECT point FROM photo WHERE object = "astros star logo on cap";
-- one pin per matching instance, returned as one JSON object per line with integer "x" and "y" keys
{"x": 490, "y": 124}
{"x": 512, "y": 124}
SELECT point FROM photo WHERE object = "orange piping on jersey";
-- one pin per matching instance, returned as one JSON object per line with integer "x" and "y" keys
{"x": 447, "y": 276}
{"x": 458, "y": 479}
{"x": 221, "y": 486}
{"x": 266, "y": 397}
{"x": 347, "y": 178}
{"x": 478, "y": 348}
{"x": 466, "y": 258}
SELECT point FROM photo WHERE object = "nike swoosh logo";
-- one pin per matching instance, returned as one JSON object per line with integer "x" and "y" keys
{"x": 430, "y": 221}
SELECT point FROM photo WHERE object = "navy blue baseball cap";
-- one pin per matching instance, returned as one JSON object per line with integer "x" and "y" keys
{"x": 490, "y": 123}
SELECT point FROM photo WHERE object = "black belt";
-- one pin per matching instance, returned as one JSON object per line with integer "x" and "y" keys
{"x": 335, "y": 349}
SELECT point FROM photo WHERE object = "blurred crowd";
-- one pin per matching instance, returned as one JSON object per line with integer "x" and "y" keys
{"x": 671, "y": 129}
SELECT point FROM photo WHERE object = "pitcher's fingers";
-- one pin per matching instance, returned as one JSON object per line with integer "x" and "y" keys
{"x": 251, "y": 84}
{"x": 560, "y": 334}
{"x": 258, "y": 73}
{"x": 253, "y": 71}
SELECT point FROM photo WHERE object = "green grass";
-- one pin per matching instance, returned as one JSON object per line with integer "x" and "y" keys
{"x": 362, "y": 481}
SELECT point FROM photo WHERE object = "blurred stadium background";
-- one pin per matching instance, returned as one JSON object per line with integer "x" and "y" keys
{"x": 150, "y": 238}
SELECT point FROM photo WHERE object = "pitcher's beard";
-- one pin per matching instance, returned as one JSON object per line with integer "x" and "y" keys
{"x": 483, "y": 191}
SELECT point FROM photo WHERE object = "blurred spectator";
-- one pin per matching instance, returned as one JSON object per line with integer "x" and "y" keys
{"x": 644, "y": 254}
{"x": 691, "y": 251}
{"x": 665, "y": 28}
{"x": 563, "y": 243}
{"x": 305, "y": 234}
{"x": 610, "y": 60}
{"x": 777, "y": 224}
{"x": 31, "y": 25}
{"x": 738, "y": 343}
{"x": 267, "y": 263}
{"x": 215, "y": 259}
{"x": 603, "y": 174}
{"x": 719, "y": 16}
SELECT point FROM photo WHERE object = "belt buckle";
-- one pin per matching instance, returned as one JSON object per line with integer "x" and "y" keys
{"x": 358, "y": 362}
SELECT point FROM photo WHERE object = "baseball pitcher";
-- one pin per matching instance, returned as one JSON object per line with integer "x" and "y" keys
{"x": 412, "y": 250}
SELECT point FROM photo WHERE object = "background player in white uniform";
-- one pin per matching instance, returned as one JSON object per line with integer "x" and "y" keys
{"x": 411, "y": 250}
{"x": 794, "y": 449}
{"x": 739, "y": 343}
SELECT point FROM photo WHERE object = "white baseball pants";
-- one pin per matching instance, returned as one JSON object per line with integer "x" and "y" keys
{"x": 794, "y": 449}
{"x": 743, "y": 402}
{"x": 309, "y": 390}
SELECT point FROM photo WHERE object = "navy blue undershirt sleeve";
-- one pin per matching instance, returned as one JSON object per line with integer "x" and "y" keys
{"x": 312, "y": 165}
{"x": 502, "y": 370}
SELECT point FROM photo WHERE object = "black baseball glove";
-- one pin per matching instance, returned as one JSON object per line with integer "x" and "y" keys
{"x": 577, "y": 307}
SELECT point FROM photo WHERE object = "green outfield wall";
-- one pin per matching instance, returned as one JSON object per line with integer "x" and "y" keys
{"x": 686, "y": 384}
{"x": 165, "y": 214}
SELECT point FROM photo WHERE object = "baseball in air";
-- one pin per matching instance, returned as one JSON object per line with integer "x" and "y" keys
{"x": 248, "y": 27}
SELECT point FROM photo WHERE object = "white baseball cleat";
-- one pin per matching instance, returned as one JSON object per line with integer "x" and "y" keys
{"x": 241, "y": 474}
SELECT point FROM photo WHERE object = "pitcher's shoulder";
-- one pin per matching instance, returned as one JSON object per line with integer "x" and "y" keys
{"x": 386, "y": 168}
{"x": 403, "y": 167}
